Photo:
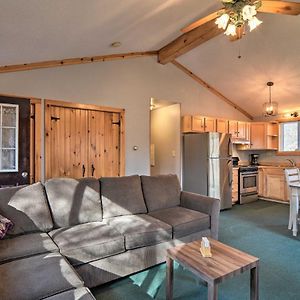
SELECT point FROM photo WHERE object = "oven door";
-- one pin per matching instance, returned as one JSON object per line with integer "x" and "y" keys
{"x": 248, "y": 182}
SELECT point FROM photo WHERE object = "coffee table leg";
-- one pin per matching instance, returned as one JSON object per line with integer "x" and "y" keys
{"x": 169, "y": 287}
{"x": 212, "y": 291}
{"x": 254, "y": 283}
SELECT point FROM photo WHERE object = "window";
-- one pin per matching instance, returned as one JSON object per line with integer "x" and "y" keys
{"x": 9, "y": 116}
{"x": 290, "y": 136}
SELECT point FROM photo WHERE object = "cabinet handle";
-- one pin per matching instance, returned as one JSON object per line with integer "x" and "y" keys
{"x": 93, "y": 170}
{"x": 83, "y": 170}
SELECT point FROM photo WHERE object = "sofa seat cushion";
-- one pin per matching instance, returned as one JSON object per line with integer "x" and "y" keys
{"x": 87, "y": 242}
{"x": 74, "y": 201}
{"x": 27, "y": 208}
{"x": 141, "y": 230}
{"x": 122, "y": 196}
{"x": 37, "y": 277}
{"x": 161, "y": 191}
{"x": 77, "y": 294}
{"x": 25, "y": 245}
{"x": 183, "y": 221}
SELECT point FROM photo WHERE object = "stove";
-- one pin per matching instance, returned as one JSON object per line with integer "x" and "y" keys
{"x": 248, "y": 184}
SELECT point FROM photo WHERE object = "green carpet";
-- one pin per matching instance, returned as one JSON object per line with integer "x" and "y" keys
{"x": 259, "y": 228}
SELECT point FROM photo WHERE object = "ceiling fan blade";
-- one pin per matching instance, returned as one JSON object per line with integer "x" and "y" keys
{"x": 202, "y": 21}
{"x": 280, "y": 7}
{"x": 239, "y": 34}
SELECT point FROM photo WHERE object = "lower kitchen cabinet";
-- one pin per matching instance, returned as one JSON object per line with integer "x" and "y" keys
{"x": 235, "y": 185}
{"x": 272, "y": 184}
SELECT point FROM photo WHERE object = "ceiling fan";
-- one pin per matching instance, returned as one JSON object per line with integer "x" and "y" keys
{"x": 236, "y": 14}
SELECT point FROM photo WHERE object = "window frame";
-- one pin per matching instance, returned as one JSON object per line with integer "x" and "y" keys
{"x": 16, "y": 148}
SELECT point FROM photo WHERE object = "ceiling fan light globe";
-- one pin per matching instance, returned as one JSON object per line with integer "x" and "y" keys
{"x": 248, "y": 12}
{"x": 231, "y": 30}
{"x": 222, "y": 21}
{"x": 254, "y": 23}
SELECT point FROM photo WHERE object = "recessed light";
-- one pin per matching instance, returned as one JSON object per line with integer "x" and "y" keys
{"x": 116, "y": 44}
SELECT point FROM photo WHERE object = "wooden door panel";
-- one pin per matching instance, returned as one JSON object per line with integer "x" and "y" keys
{"x": 233, "y": 129}
{"x": 66, "y": 153}
{"x": 222, "y": 126}
{"x": 116, "y": 144}
{"x": 258, "y": 135}
{"x": 210, "y": 125}
{"x": 96, "y": 144}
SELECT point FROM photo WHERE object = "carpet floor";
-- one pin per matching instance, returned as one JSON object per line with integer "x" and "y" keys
{"x": 259, "y": 228}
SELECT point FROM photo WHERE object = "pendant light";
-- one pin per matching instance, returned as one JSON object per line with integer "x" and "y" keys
{"x": 271, "y": 107}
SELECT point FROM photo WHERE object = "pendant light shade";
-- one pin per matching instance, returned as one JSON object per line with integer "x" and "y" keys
{"x": 270, "y": 107}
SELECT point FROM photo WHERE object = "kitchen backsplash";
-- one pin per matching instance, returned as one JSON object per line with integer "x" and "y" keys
{"x": 265, "y": 157}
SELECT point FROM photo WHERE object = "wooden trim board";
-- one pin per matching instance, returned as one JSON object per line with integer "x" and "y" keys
{"x": 210, "y": 88}
{"x": 60, "y": 103}
{"x": 74, "y": 61}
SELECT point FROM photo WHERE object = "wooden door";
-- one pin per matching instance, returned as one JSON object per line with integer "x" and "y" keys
{"x": 198, "y": 124}
{"x": 210, "y": 125}
{"x": 275, "y": 184}
{"x": 222, "y": 126}
{"x": 83, "y": 142}
{"x": 104, "y": 144}
{"x": 14, "y": 141}
{"x": 258, "y": 135}
{"x": 66, "y": 142}
{"x": 233, "y": 128}
{"x": 242, "y": 130}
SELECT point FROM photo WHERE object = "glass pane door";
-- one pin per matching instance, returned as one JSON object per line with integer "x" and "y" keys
{"x": 9, "y": 115}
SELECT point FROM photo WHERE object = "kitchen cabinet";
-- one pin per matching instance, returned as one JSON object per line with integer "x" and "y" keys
{"x": 198, "y": 124}
{"x": 272, "y": 183}
{"x": 222, "y": 125}
{"x": 240, "y": 131}
{"x": 264, "y": 136}
{"x": 235, "y": 185}
{"x": 210, "y": 125}
{"x": 233, "y": 128}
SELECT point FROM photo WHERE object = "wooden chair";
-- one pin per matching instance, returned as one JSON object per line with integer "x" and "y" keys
{"x": 293, "y": 177}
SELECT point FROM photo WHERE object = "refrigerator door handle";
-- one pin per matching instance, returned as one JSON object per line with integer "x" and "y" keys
{"x": 229, "y": 147}
{"x": 230, "y": 173}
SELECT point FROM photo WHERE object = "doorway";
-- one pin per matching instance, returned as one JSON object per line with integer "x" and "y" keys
{"x": 165, "y": 141}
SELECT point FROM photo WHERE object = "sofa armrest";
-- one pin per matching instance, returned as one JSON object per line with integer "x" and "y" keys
{"x": 204, "y": 204}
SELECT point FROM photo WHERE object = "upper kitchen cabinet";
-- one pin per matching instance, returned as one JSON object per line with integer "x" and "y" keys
{"x": 239, "y": 131}
{"x": 222, "y": 126}
{"x": 210, "y": 125}
{"x": 264, "y": 136}
{"x": 198, "y": 124}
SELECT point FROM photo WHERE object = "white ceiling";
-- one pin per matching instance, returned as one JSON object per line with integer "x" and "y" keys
{"x": 38, "y": 30}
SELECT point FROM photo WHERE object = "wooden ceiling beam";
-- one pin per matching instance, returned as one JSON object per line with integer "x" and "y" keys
{"x": 188, "y": 41}
{"x": 73, "y": 61}
{"x": 211, "y": 89}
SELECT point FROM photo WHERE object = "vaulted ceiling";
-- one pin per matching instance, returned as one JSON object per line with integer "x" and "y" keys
{"x": 35, "y": 30}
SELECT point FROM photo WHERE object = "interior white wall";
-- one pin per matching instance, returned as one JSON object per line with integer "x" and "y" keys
{"x": 125, "y": 84}
{"x": 165, "y": 135}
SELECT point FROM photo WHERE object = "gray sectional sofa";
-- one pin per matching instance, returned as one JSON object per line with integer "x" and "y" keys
{"x": 70, "y": 235}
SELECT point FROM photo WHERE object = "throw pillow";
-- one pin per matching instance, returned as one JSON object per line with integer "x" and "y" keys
{"x": 5, "y": 225}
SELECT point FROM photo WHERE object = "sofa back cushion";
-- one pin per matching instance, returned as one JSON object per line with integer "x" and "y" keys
{"x": 122, "y": 196}
{"x": 74, "y": 201}
{"x": 161, "y": 191}
{"x": 27, "y": 208}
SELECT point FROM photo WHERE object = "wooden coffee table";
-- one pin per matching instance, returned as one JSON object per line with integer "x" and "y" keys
{"x": 225, "y": 262}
